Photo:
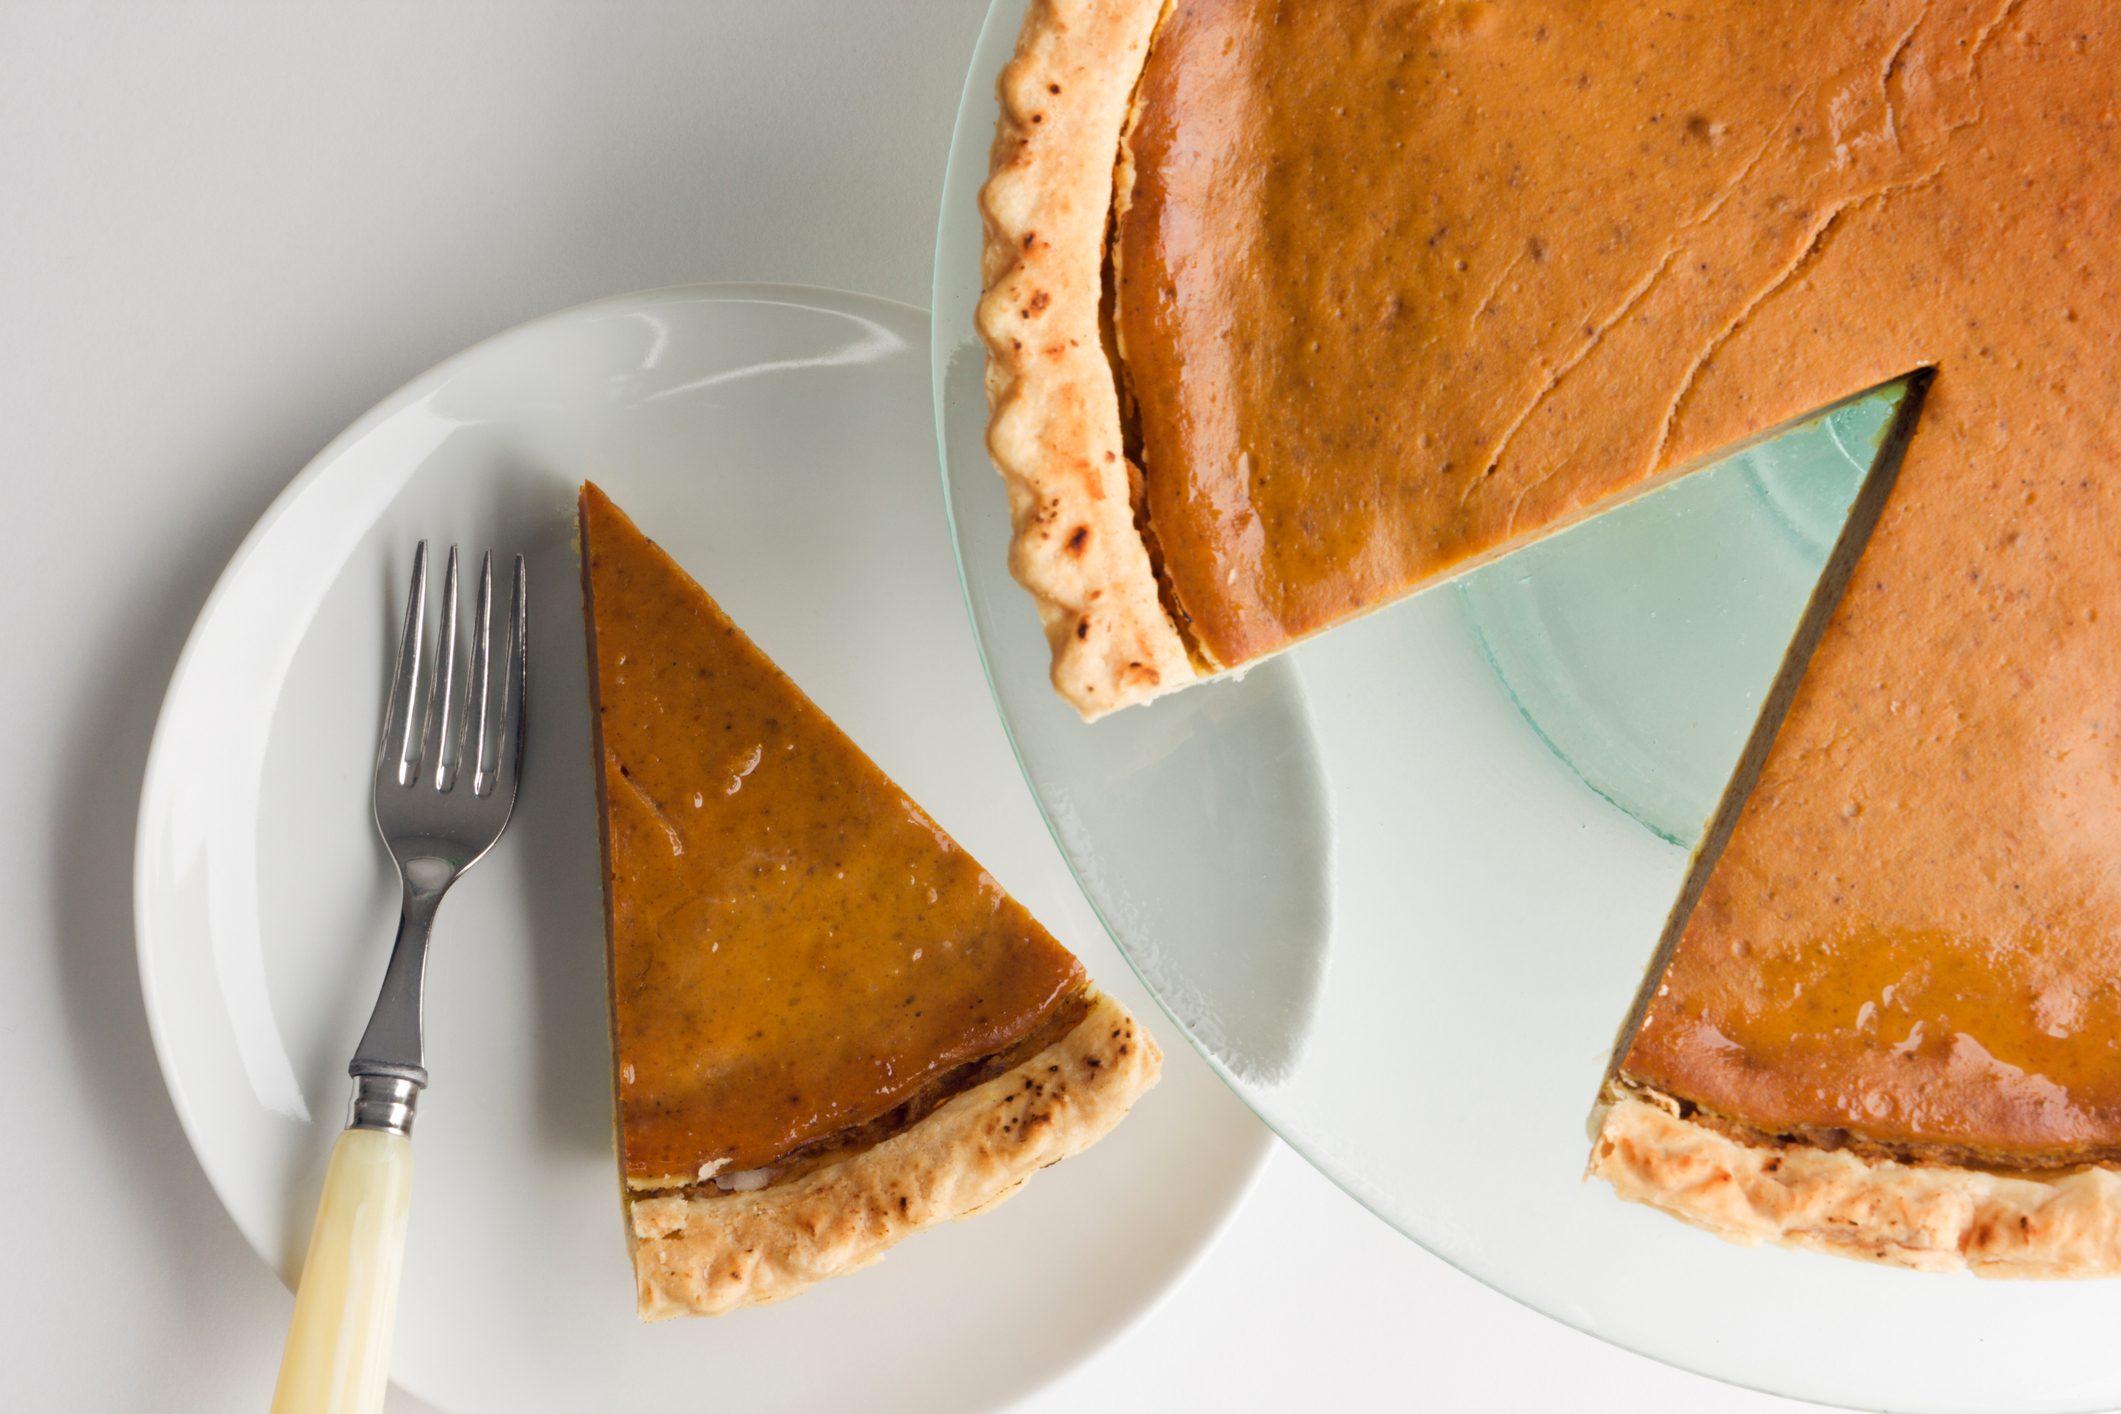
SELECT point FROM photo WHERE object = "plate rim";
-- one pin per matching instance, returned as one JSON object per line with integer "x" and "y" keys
{"x": 157, "y": 770}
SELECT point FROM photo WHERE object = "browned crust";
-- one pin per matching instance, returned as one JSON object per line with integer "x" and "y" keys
{"x": 1933, "y": 1217}
{"x": 1054, "y": 420}
{"x": 707, "y": 1254}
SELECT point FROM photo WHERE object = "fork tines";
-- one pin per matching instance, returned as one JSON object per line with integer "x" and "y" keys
{"x": 433, "y": 729}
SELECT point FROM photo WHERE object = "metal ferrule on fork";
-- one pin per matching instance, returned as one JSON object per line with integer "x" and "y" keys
{"x": 384, "y": 1102}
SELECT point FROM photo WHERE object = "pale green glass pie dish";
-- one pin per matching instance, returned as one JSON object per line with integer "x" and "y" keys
{"x": 1400, "y": 884}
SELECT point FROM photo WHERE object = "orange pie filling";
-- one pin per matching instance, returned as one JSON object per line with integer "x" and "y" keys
{"x": 802, "y": 962}
{"x": 1396, "y": 289}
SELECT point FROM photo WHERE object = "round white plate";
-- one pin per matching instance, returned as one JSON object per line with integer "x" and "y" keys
{"x": 778, "y": 442}
{"x": 1406, "y": 932}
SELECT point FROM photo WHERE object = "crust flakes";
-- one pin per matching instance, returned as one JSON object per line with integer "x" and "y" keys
{"x": 1933, "y": 1218}
{"x": 1054, "y": 416}
{"x": 702, "y": 1255}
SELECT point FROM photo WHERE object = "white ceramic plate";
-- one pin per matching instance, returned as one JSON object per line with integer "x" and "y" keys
{"x": 778, "y": 442}
{"x": 1405, "y": 931}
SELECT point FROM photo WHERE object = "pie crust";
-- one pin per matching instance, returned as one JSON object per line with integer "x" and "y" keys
{"x": 1932, "y": 1217}
{"x": 1054, "y": 430}
{"x": 706, "y": 1254}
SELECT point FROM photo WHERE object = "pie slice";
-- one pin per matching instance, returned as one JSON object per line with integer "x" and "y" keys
{"x": 1294, "y": 310}
{"x": 830, "y": 1027}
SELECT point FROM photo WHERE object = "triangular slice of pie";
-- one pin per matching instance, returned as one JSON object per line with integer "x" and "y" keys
{"x": 830, "y": 1027}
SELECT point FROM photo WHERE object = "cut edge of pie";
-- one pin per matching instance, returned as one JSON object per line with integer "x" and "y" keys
{"x": 1054, "y": 430}
{"x": 1907, "y": 1206}
{"x": 956, "y": 1146}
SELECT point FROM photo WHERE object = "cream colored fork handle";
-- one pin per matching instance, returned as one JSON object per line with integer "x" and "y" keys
{"x": 337, "y": 1359}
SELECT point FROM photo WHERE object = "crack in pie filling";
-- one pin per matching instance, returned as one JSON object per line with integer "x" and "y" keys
{"x": 830, "y": 1026}
{"x": 1293, "y": 310}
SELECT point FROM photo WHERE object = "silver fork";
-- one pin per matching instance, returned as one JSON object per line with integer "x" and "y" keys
{"x": 445, "y": 785}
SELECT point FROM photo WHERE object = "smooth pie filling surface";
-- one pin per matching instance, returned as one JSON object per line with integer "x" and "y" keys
{"x": 802, "y": 961}
{"x": 1399, "y": 287}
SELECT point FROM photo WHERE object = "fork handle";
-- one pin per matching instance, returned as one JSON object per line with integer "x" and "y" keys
{"x": 337, "y": 1359}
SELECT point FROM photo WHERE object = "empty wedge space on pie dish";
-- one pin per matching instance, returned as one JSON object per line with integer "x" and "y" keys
{"x": 1292, "y": 311}
{"x": 830, "y": 1026}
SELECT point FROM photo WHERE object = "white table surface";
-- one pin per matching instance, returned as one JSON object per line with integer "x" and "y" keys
{"x": 228, "y": 230}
